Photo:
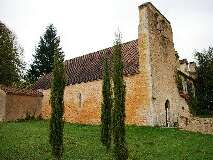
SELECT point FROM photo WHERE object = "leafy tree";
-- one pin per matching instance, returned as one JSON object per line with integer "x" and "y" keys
{"x": 11, "y": 63}
{"x": 57, "y": 105}
{"x": 204, "y": 81}
{"x": 120, "y": 148}
{"x": 44, "y": 56}
{"x": 106, "y": 106}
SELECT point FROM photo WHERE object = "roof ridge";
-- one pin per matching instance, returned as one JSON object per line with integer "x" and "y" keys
{"x": 99, "y": 51}
{"x": 13, "y": 90}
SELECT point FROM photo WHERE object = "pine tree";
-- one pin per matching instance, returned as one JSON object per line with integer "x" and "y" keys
{"x": 120, "y": 148}
{"x": 57, "y": 105}
{"x": 44, "y": 56}
{"x": 106, "y": 106}
{"x": 11, "y": 63}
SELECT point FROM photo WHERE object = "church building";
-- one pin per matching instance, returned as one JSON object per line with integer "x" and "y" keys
{"x": 150, "y": 67}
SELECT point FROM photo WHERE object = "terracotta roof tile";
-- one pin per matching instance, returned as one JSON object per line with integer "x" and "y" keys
{"x": 20, "y": 91}
{"x": 89, "y": 67}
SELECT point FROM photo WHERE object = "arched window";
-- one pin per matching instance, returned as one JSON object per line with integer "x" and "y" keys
{"x": 167, "y": 107}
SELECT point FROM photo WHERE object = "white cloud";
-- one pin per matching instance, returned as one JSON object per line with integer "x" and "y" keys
{"x": 86, "y": 26}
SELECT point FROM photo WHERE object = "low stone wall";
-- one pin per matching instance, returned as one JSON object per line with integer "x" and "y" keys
{"x": 196, "y": 124}
{"x": 20, "y": 106}
{"x": 17, "y": 103}
{"x": 2, "y": 104}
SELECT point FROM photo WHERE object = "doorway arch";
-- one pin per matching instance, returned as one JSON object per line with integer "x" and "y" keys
{"x": 167, "y": 107}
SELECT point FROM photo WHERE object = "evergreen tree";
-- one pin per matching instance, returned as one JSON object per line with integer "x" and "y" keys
{"x": 57, "y": 105}
{"x": 120, "y": 148}
{"x": 44, "y": 56}
{"x": 106, "y": 106}
{"x": 11, "y": 64}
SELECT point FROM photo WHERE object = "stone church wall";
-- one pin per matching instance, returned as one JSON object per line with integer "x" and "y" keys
{"x": 83, "y": 102}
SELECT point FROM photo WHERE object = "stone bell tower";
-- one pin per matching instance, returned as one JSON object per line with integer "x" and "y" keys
{"x": 158, "y": 65}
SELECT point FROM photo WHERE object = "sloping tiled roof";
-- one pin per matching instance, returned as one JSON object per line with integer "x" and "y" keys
{"x": 20, "y": 91}
{"x": 89, "y": 67}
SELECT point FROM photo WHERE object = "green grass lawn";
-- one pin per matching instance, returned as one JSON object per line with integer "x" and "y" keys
{"x": 29, "y": 141}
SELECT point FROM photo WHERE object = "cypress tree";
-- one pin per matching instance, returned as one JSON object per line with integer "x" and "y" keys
{"x": 106, "y": 106}
{"x": 120, "y": 148}
{"x": 57, "y": 105}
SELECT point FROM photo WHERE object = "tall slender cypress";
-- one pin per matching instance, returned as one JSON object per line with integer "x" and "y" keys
{"x": 57, "y": 105}
{"x": 106, "y": 106}
{"x": 120, "y": 148}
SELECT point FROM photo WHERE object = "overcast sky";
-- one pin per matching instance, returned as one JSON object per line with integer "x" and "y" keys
{"x": 89, "y": 25}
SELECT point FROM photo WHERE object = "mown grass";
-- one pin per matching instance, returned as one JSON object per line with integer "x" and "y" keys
{"x": 29, "y": 141}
